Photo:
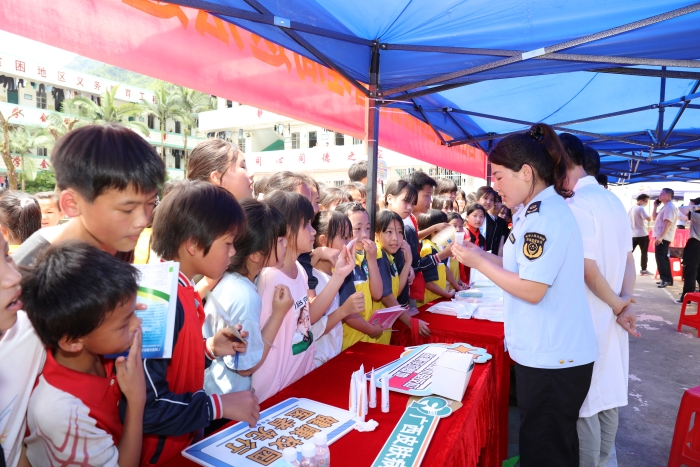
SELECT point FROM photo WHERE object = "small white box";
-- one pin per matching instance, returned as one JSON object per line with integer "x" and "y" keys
{"x": 451, "y": 374}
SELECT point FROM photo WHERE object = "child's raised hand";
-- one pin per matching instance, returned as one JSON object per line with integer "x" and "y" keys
{"x": 225, "y": 342}
{"x": 446, "y": 252}
{"x": 407, "y": 254}
{"x": 130, "y": 376}
{"x": 370, "y": 249}
{"x": 354, "y": 304}
{"x": 242, "y": 406}
{"x": 282, "y": 300}
{"x": 438, "y": 227}
{"x": 345, "y": 263}
{"x": 326, "y": 254}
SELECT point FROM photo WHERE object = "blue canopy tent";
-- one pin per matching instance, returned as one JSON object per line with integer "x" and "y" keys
{"x": 621, "y": 74}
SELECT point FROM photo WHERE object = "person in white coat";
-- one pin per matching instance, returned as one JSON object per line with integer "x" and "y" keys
{"x": 609, "y": 274}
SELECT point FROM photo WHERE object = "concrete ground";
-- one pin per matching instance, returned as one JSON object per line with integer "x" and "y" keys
{"x": 663, "y": 364}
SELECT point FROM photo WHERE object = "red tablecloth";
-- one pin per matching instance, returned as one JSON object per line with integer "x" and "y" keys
{"x": 477, "y": 332}
{"x": 464, "y": 439}
{"x": 679, "y": 239}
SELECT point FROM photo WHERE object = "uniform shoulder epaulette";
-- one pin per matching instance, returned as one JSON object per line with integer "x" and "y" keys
{"x": 533, "y": 208}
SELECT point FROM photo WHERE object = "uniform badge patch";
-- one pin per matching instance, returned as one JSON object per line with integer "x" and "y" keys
{"x": 511, "y": 237}
{"x": 534, "y": 245}
{"x": 534, "y": 207}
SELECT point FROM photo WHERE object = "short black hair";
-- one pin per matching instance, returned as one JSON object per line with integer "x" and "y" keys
{"x": 331, "y": 224}
{"x": 285, "y": 181}
{"x": 475, "y": 207}
{"x": 419, "y": 179}
{"x": 445, "y": 185}
{"x": 72, "y": 288}
{"x": 50, "y": 195}
{"x": 95, "y": 158}
{"x": 592, "y": 166}
{"x": 454, "y": 215}
{"x": 333, "y": 195}
{"x": 265, "y": 225}
{"x": 430, "y": 218}
{"x": 396, "y": 187}
{"x": 440, "y": 201}
{"x": 384, "y": 219}
{"x": 486, "y": 191}
{"x": 360, "y": 187}
{"x": 357, "y": 171}
{"x": 642, "y": 197}
{"x": 667, "y": 190}
{"x": 195, "y": 210}
{"x": 574, "y": 147}
{"x": 350, "y": 208}
{"x": 296, "y": 210}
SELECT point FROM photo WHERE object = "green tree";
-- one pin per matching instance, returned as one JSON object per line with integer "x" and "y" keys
{"x": 108, "y": 111}
{"x": 45, "y": 181}
{"x": 192, "y": 102}
{"x": 167, "y": 105}
{"x": 23, "y": 139}
{"x": 5, "y": 147}
{"x": 60, "y": 125}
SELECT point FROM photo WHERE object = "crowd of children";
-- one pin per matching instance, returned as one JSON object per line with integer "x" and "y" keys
{"x": 290, "y": 263}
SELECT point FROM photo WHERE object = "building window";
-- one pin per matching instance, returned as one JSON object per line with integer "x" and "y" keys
{"x": 313, "y": 139}
{"x": 13, "y": 97}
{"x": 229, "y": 104}
{"x": 177, "y": 127}
{"x": 339, "y": 139}
{"x": 151, "y": 122}
{"x": 177, "y": 155}
{"x": 339, "y": 183}
{"x": 356, "y": 141}
{"x": 241, "y": 144}
{"x": 42, "y": 152}
{"x": 296, "y": 141}
{"x": 41, "y": 99}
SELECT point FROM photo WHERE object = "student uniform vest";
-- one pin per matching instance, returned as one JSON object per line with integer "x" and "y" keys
{"x": 350, "y": 335}
{"x": 430, "y": 248}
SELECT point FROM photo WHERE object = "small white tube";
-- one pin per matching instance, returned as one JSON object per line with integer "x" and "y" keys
{"x": 372, "y": 391}
{"x": 353, "y": 394}
{"x": 385, "y": 392}
{"x": 363, "y": 389}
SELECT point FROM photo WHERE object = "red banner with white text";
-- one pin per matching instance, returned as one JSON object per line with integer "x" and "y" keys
{"x": 194, "y": 49}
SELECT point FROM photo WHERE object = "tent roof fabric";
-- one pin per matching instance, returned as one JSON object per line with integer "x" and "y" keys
{"x": 552, "y": 61}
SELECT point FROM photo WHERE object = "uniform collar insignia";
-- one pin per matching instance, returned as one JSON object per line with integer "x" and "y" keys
{"x": 532, "y": 208}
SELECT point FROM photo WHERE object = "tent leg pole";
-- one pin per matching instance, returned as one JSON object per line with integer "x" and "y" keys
{"x": 372, "y": 139}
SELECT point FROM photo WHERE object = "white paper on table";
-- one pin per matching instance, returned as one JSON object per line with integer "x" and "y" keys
{"x": 490, "y": 313}
{"x": 461, "y": 309}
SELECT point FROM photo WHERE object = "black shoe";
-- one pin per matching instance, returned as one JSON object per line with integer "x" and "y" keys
{"x": 658, "y": 282}
{"x": 663, "y": 284}
{"x": 678, "y": 300}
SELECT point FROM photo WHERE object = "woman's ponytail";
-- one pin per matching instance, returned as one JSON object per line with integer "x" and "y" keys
{"x": 561, "y": 163}
{"x": 540, "y": 148}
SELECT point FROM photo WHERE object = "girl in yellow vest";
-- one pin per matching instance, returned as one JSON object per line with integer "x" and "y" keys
{"x": 367, "y": 277}
{"x": 333, "y": 230}
{"x": 435, "y": 276}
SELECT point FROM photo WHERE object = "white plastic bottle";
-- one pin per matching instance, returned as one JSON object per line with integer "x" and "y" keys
{"x": 308, "y": 454}
{"x": 290, "y": 456}
{"x": 323, "y": 454}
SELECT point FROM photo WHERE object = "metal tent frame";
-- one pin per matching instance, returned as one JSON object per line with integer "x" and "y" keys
{"x": 626, "y": 163}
